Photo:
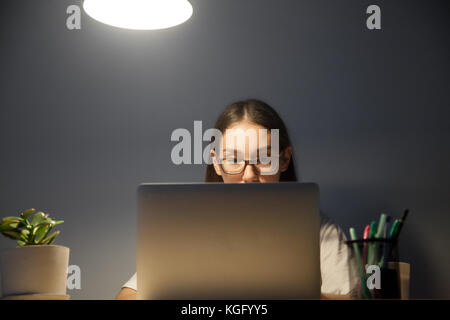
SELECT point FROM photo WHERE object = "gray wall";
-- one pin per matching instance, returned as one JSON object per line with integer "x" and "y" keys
{"x": 85, "y": 116}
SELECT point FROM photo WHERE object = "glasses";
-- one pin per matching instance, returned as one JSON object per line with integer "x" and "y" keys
{"x": 232, "y": 167}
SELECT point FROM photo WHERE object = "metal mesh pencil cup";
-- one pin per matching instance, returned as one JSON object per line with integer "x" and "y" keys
{"x": 371, "y": 277}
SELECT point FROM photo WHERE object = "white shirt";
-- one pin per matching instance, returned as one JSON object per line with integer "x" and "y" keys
{"x": 334, "y": 260}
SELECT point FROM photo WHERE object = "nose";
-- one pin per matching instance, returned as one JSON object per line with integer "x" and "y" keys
{"x": 250, "y": 174}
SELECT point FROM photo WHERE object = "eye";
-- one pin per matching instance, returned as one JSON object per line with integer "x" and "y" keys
{"x": 229, "y": 154}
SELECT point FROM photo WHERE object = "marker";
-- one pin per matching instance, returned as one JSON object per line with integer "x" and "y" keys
{"x": 366, "y": 245}
{"x": 386, "y": 244}
{"x": 381, "y": 226}
{"x": 401, "y": 222}
{"x": 394, "y": 228}
{"x": 360, "y": 265}
{"x": 379, "y": 234}
{"x": 373, "y": 227}
{"x": 387, "y": 227}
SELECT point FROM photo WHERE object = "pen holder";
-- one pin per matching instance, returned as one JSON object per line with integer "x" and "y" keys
{"x": 371, "y": 274}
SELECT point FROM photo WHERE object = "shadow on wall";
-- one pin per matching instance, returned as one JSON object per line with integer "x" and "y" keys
{"x": 423, "y": 284}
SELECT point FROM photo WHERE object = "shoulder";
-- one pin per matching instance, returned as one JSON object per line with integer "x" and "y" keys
{"x": 132, "y": 283}
{"x": 333, "y": 249}
{"x": 334, "y": 257}
{"x": 329, "y": 230}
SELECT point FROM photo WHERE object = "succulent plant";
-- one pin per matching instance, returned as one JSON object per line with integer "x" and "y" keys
{"x": 30, "y": 232}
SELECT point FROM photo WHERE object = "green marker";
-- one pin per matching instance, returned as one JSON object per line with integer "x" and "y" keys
{"x": 378, "y": 235}
{"x": 381, "y": 226}
{"x": 373, "y": 228}
{"x": 394, "y": 229}
{"x": 359, "y": 263}
{"x": 400, "y": 224}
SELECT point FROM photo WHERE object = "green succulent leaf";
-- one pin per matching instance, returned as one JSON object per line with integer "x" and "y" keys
{"x": 38, "y": 218}
{"x": 45, "y": 223}
{"x": 13, "y": 225}
{"x": 41, "y": 233}
{"x": 12, "y": 234}
{"x": 8, "y": 226}
{"x": 5, "y": 228}
{"x": 11, "y": 219}
{"x": 27, "y": 213}
{"x": 24, "y": 235}
{"x": 50, "y": 238}
{"x": 32, "y": 232}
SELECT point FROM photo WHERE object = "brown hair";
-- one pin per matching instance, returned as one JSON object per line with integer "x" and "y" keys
{"x": 260, "y": 113}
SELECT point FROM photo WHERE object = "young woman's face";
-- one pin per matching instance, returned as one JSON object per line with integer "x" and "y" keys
{"x": 250, "y": 173}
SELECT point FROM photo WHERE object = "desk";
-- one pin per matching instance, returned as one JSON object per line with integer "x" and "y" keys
{"x": 37, "y": 297}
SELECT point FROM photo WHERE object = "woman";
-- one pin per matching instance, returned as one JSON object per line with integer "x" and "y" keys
{"x": 255, "y": 114}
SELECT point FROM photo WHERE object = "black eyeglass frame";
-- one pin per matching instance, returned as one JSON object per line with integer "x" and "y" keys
{"x": 246, "y": 163}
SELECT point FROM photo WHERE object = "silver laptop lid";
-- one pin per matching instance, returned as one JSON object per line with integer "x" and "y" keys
{"x": 228, "y": 241}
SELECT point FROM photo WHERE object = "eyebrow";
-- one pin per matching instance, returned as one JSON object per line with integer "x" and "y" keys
{"x": 267, "y": 147}
{"x": 236, "y": 151}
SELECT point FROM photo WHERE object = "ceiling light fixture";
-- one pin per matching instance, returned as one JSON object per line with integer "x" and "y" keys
{"x": 139, "y": 14}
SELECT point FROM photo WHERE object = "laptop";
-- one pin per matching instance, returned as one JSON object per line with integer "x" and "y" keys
{"x": 228, "y": 241}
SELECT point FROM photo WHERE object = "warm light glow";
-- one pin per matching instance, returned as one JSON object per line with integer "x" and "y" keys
{"x": 139, "y": 14}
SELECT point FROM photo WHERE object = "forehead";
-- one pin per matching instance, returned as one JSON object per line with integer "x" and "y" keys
{"x": 245, "y": 125}
{"x": 239, "y": 136}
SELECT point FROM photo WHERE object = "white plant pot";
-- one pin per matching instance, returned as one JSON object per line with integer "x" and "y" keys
{"x": 38, "y": 269}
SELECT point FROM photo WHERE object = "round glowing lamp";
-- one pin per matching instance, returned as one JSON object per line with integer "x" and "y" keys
{"x": 139, "y": 14}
